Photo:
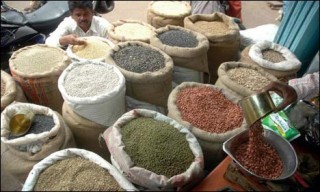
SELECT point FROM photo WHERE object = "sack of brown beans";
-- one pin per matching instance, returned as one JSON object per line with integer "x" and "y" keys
{"x": 37, "y": 69}
{"x": 130, "y": 30}
{"x": 102, "y": 99}
{"x": 273, "y": 58}
{"x": 223, "y": 35}
{"x": 147, "y": 70}
{"x": 48, "y": 133}
{"x": 75, "y": 170}
{"x": 211, "y": 113}
{"x": 86, "y": 133}
{"x": 243, "y": 79}
{"x": 10, "y": 91}
{"x": 162, "y": 13}
{"x": 166, "y": 156}
{"x": 95, "y": 49}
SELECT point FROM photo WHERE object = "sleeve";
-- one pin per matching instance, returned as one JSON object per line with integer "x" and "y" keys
{"x": 307, "y": 86}
{"x": 62, "y": 29}
{"x": 104, "y": 25}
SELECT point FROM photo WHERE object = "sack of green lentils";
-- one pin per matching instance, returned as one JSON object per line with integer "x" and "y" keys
{"x": 47, "y": 134}
{"x": 10, "y": 91}
{"x": 130, "y": 30}
{"x": 211, "y": 113}
{"x": 154, "y": 151}
{"x": 82, "y": 171}
{"x": 147, "y": 70}
{"x": 162, "y": 13}
{"x": 102, "y": 99}
{"x": 223, "y": 35}
{"x": 37, "y": 69}
{"x": 86, "y": 133}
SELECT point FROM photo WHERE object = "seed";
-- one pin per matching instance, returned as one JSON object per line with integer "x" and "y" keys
{"x": 133, "y": 31}
{"x": 178, "y": 38}
{"x": 272, "y": 55}
{"x": 213, "y": 27}
{"x": 3, "y": 87}
{"x": 93, "y": 49}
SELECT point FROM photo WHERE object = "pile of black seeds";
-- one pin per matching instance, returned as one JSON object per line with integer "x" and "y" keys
{"x": 178, "y": 38}
{"x": 139, "y": 59}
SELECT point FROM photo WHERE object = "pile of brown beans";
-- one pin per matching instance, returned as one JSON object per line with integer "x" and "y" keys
{"x": 272, "y": 55}
{"x": 214, "y": 27}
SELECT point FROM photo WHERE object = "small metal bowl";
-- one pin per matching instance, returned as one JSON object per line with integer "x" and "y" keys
{"x": 282, "y": 146}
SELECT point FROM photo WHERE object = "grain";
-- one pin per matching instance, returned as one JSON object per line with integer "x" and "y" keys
{"x": 272, "y": 55}
{"x": 3, "y": 87}
{"x": 178, "y": 38}
{"x": 93, "y": 49}
{"x": 133, "y": 31}
{"x": 213, "y": 27}
{"x": 172, "y": 8}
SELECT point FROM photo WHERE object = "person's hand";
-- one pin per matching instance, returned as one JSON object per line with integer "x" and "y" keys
{"x": 71, "y": 39}
{"x": 287, "y": 92}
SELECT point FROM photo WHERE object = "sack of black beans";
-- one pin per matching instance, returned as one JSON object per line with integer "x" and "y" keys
{"x": 37, "y": 69}
{"x": 243, "y": 79}
{"x": 223, "y": 35}
{"x": 86, "y": 133}
{"x": 82, "y": 171}
{"x": 211, "y": 113}
{"x": 154, "y": 151}
{"x": 162, "y": 13}
{"x": 48, "y": 133}
{"x": 135, "y": 104}
{"x": 130, "y": 30}
{"x": 102, "y": 99}
{"x": 10, "y": 91}
{"x": 95, "y": 49}
{"x": 147, "y": 70}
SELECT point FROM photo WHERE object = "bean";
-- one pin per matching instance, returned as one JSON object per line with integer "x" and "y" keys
{"x": 213, "y": 27}
{"x": 272, "y": 55}
{"x": 178, "y": 38}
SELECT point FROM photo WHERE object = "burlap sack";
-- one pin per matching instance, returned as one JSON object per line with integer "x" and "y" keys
{"x": 86, "y": 133}
{"x": 40, "y": 87}
{"x": 160, "y": 14}
{"x": 150, "y": 87}
{"x": 22, "y": 153}
{"x": 222, "y": 47}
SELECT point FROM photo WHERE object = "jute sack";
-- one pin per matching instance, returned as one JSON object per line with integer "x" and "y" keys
{"x": 22, "y": 153}
{"x": 162, "y": 13}
{"x": 12, "y": 91}
{"x": 37, "y": 69}
{"x": 74, "y": 152}
{"x": 130, "y": 30}
{"x": 211, "y": 143}
{"x": 150, "y": 87}
{"x": 140, "y": 175}
{"x": 223, "y": 46}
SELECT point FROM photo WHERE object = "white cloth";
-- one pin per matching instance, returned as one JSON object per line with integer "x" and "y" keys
{"x": 206, "y": 7}
{"x": 99, "y": 27}
{"x": 307, "y": 86}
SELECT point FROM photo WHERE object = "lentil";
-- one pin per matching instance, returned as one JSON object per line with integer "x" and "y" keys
{"x": 178, "y": 38}
{"x": 133, "y": 31}
{"x": 93, "y": 49}
{"x": 272, "y": 55}
{"x": 139, "y": 59}
{"x": 208, "y": 109}
{"x": 3, "y": 88}
{"x": 76, "y": 174}
{"x": 214, "y": 27}
{"x": 82, "y": 80}
{"x": 258, "y": 156}
{"x": 157, "y": 146}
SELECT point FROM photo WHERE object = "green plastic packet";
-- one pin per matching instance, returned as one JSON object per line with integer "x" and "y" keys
{"x": 279, "y": 122}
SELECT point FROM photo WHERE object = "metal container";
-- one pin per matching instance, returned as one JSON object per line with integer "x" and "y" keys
{"x": 20, "y": 122}
{"x": 282, "y": 146}
{"x": 256, "y": 106}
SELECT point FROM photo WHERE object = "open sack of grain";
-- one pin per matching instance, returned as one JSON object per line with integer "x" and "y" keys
{"x": 82, "y": 171}
{"x": 166, "y": 157}
{"x": 48, "y": 133}
{"x": 162, "y": 13}
{"x": 211, "y": 113}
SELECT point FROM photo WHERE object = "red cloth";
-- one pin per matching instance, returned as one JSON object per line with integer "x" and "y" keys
{"x": 234, "y": 9}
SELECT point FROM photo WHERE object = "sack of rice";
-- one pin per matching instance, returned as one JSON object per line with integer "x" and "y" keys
{"x": 167, "y": 156}
{"x": 273, "y": 58}
{"x": 223, "y": 35}
{"x": 86, "y": 133}
{"x": 130, "y": 30}
{"x": 10, "y": 91}
{"x": 147, "y": 69}
{"x": 75, "y": 170}
{"x": 162, "y": 13}
{"x": 48, "y": 133}
{"x": 102, "y": 99}
{"x": 37, "y": 69}
{"x": 211, "y": 113}
{"x": 243, "y": 79}
{"x": 95, "y": 49}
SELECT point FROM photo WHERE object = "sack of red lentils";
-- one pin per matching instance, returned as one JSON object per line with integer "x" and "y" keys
{"x": 211, "y": 113}
{"x": 48, "y": 133}
{"x": 147, "y": 70}
{"x": 10, "y": 91}
{"x": 162, "y": 13}
{"x": 82, "y": 171}
{"x": 223, "y": 35}
{"x": 37, "y": 69}
{"x": 154, "y": 151}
